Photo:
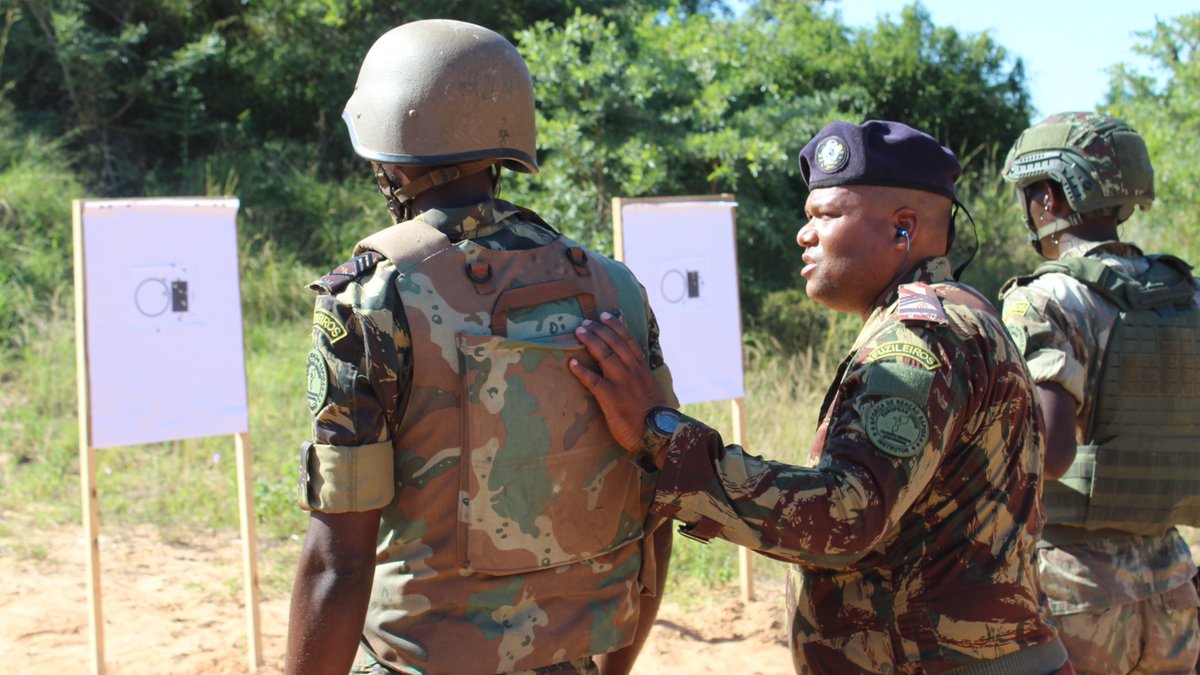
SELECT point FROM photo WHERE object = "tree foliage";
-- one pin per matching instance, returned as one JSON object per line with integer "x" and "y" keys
{"x": 1164, "y": 106}
{"x": 637, "y": 104}
{"x": 635, "y": 98}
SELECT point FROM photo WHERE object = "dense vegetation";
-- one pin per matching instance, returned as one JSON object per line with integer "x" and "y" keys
{"x": 124, "y": 98}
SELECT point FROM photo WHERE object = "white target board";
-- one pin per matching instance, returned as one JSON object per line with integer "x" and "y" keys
{"x": 163, "y": 320}
{"x": 683, "y": 250}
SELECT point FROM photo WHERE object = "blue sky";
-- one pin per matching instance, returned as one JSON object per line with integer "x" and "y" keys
{"x": 1067, "y": 45}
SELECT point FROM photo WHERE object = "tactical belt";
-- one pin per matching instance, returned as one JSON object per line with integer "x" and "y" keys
{"x": 1043, "y": 659}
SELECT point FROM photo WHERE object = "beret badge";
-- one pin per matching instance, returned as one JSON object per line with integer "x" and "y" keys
{"x": 832, "y": 155}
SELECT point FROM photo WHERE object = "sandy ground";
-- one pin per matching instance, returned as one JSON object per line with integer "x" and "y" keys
{"x": 176, "y": 608}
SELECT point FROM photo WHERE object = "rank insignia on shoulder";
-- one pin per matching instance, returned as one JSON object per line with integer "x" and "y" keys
{"x": 340, "y": 276}
{"x": 918, "y": 302}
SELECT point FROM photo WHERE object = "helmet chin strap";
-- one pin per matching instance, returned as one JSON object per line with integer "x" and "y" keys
{"x": 1051, "y": 227}
{"x": 400, "y": 198}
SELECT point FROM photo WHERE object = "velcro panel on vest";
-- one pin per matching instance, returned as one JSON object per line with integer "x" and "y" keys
{"x": 1147, "y": 422}
{"x": 545, "y": 483}
{"x": 1066, "y": 499}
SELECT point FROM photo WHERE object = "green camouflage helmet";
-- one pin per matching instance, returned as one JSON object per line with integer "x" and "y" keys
{"x": 1100, "y": 162}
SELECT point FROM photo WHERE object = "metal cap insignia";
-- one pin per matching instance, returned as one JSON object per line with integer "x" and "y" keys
{"x": 832, "y": 155}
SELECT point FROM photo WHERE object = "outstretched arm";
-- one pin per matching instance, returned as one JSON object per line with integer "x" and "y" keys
{"x": 331, "y": 592}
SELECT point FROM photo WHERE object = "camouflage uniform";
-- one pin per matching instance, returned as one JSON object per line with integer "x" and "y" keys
{"x": 1125, "y": 602}
{"x": 913, "y": 528}
{"x": 512, "y": 522}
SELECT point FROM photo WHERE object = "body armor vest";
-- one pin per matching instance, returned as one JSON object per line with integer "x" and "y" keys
{"x": 1139, "y": 469}
{"x": 513, "y": 541}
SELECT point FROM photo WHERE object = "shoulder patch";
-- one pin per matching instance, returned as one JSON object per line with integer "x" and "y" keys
{"x": 918, "y": 302}
{"x": 897, "y": 427}
{"x": 329, "y": 325}
{"x": 1018, "y": 337}
{"x": 1016, "y": 309}
{"x": 341, "y": 276}
{"x": 317, "y": 382}
{"x": 896, "y": 348}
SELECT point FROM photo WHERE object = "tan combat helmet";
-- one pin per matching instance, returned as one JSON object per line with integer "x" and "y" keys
{"x": 442, "y": 93}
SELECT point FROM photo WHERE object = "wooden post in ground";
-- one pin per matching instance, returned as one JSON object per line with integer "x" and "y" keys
{"x": 745, "y": 568}
{"x": 249, "y": 551}
{"x": 87, "y": 454}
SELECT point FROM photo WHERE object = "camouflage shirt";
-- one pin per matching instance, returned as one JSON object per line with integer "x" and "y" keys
{"x": 913, "y": 528}
{"x": 1063, "y": 328}
{"x": 420, "y": 410}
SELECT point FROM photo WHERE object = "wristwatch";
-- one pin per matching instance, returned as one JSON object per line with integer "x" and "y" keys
{"x": 661, "y": 422}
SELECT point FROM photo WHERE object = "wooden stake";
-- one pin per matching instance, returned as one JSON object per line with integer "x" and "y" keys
{"x": 745, "y": 569}
{"x": 249, "y": 550}
{"x": 90, "y": 505}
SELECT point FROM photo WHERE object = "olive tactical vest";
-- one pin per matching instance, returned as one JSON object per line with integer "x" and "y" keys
{"x": 513, "y": 541}
{"x": 1139, "y": 470}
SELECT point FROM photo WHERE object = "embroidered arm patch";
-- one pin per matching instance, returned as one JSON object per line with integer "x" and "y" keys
{"x": 897, "y": 427}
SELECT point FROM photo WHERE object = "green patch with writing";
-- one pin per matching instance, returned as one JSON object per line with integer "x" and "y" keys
{"x": 897, "y": 427}
{"x": 329, "y": 325}
{"x": 897, "y": 349}
{"x": 318, "y": 381}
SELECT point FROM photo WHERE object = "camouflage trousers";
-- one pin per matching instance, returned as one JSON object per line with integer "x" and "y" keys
{"x": 1157, "y": 635}
{"x": 581, "y": 666}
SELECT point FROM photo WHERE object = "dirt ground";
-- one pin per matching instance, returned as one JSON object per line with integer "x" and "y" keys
{"x": 176, "y": 608}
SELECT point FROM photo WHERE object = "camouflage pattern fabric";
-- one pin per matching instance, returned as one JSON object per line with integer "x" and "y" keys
{"x": 512, "y": 521}
{"x": 583, "y": 666}
{"x": 1155, "y": 635}
{"x": 1063, "y": 328}
{"x": 913, "y": 528}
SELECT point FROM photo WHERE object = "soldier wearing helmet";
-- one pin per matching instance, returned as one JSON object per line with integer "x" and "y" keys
{"x": 470, "y": 511}
{"x": 1112, "y": 338}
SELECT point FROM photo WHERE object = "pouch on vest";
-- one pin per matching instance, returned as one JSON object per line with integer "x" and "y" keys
{"x": 543, "y": 482}
{"x": 1140, "y": 472}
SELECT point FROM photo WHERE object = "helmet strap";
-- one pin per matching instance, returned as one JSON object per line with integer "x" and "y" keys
{"x": 400, "y": 198}
{"x": 399, "y": 208}
{"x": 442, "y": 175}
{"x": 1057, "y": 225}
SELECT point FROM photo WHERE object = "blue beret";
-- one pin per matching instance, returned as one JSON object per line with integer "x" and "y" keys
{"x": 878, "y": 153}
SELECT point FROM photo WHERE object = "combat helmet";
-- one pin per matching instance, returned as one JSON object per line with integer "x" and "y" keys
{"x": 442, "y": 93}
{"x": 1100, "y": 162}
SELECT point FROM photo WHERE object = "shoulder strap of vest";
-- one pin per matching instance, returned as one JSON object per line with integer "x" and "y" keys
{"x": 405, "y": 243}
{"x": 1167, "y": 281}
{"x": 629, "y": 295}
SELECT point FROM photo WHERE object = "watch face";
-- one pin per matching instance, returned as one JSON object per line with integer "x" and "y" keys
{"x": 665, "y": 421}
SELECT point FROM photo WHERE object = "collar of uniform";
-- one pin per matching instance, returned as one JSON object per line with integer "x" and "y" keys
{"x": 469, "y": 222}
{"x": 1111, "y": 247}
{"x": 928, "y": 271}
